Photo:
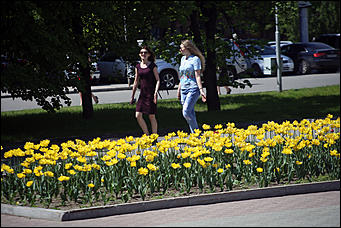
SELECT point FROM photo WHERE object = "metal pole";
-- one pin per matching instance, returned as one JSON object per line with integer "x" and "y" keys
{"x": 278, "y": 54}
{"x": 303, "y": 14}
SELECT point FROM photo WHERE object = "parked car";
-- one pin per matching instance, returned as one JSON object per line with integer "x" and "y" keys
{"x": 312, "y": 56}
{"x": 111, "y": 68}
{"x": 262, "y": 52}
{"x": 168, "y": 73}
{"x": 95, "y": 73}
{"x": 73, "y": 73}
{"x": 332, "y": 39}
{"x": 237, "y": 62}
{"x": 281, "y": 43}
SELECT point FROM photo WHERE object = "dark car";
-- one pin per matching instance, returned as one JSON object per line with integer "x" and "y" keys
{"x": 311, "y": 56}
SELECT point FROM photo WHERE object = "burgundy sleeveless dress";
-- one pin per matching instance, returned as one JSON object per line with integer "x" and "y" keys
{"x": 145, "y": 103}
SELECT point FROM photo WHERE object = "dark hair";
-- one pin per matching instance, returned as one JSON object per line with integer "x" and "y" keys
{"x": 152, "y": 55}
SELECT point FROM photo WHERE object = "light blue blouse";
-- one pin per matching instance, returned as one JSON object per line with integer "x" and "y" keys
{"x": 187, "y": 71}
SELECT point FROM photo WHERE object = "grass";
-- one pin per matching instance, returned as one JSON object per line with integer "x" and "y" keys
{"x": 118, "y": 120}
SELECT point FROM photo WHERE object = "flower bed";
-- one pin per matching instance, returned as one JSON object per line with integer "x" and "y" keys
{"x": 213, "y": 159}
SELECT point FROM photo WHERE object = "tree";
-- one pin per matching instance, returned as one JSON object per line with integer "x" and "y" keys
{"x": 53, "y": 42}
{"x": 324, "y": 17}
{"x": 34, "y": 39}
{"x": 209, "y": 11}
{"x": 49, "y": 42}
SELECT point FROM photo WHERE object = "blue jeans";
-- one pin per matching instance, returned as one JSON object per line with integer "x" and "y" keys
{"x": 188, "y": 99}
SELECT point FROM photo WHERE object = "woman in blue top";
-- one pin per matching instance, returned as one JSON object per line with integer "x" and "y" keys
{"x": 190, "y": 86}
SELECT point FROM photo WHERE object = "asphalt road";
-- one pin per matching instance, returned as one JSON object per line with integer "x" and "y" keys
{"x": 117, "y": 93}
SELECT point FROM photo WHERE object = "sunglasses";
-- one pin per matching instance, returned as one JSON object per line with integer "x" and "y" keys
{"x": 143, "y": 52}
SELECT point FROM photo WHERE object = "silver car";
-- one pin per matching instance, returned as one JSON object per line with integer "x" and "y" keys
{"x": 267, "y": 52}
{"x": 111, "y": 68}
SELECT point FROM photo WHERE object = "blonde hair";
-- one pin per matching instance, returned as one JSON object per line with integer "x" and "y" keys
{"x": 194, "y": 51}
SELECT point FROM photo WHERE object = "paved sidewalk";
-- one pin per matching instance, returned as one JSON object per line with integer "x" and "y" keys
{"x": 320, "y": 209}
{"x": 259, "y": 84}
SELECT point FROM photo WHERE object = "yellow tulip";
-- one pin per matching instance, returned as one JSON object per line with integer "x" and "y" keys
{"x": 27, "y": 171}
{"x": 259, "y": 170}
{"x": 151, "y": 167}
{"x": 143, "y": 171}
{"x": 68, "y": 165}
{"x": 29, "y": 183}
{"x": 175, "y": 165}
{"x": 333, "y": 153}
{"x": 263, "y": 159}
{"x": 287, "y": 151}
{"x": 247, "y": 162}
{"x": 121, "y": 156}
{"x": 206, "y": 126}
{"x": 187, "y": 165}
{"x": 21, "y": 175}
{"x": 218, "y": 126}
{"x": 81, "y": 159}
{"x": 228, "y": 151}
{"x": 208, "y": 159}
{"x": 72, "y": 172}
{"x": 49, "y": 173}
{"x": 63, "y": 178}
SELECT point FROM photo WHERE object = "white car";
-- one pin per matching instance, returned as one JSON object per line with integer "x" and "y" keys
{"x": 257, "y": 61}
{"x": 281, "y": 43}
{"x": 237, "y": 62}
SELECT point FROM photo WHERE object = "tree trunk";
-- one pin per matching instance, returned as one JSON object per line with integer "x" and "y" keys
{"x": 195, "y": 30}
{"x": 88, "y": 110}
{"x": 84, "y": 69}
{"x": 210, "y": 78}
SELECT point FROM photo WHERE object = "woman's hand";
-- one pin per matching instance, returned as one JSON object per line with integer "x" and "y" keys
{"x": 132, "y": 101}
{"x": 155, "y": 98}
{"x": 179, "y": 96}
{"x": 203, "y": 96}
{"x": 179, "y": 93}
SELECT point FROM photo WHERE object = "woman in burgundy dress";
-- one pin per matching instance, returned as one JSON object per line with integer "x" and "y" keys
{"x": 147, "y": 75}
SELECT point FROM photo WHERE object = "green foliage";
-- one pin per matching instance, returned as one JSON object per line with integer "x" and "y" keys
{"x": 324, "y": 17}
{"x": 52, "y": 42}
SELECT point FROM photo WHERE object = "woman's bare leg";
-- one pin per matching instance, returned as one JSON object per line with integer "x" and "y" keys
{"x": 153, "y": 122}
{"x": 142, "y": 123}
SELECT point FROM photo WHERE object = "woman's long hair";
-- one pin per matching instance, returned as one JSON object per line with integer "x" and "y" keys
{"x": 194, "y": 51}
{"x": 152, "y": 55}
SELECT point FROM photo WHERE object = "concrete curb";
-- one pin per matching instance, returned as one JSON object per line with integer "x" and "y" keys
{"x": 101, "y": 211}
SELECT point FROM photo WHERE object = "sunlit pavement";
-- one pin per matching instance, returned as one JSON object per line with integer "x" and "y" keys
{"x": 320, "y": 209}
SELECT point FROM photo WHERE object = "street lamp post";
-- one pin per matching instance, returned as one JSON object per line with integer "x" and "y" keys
{"x": 278, "y": 54}
{"x": 303, "y": 13}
